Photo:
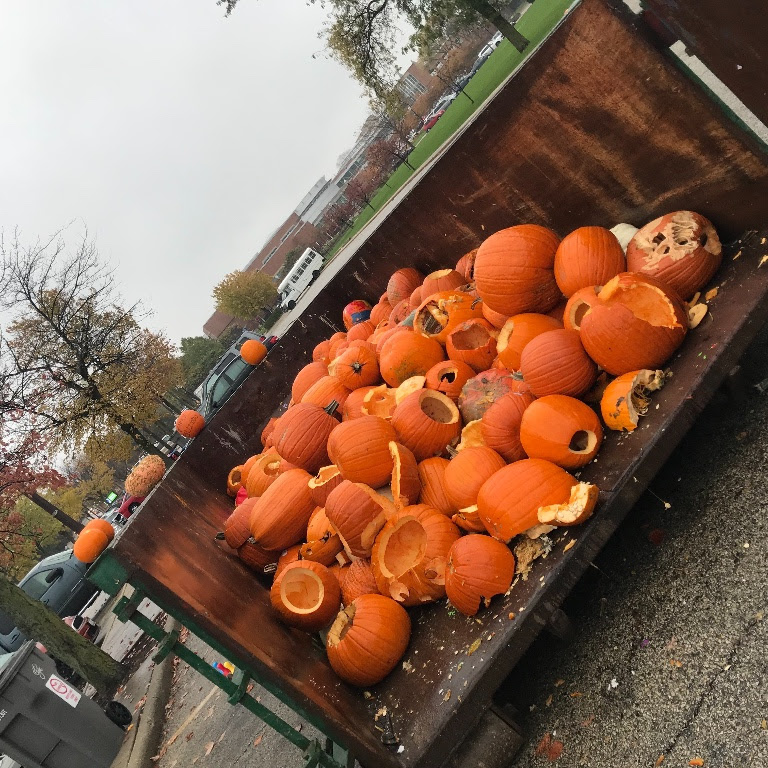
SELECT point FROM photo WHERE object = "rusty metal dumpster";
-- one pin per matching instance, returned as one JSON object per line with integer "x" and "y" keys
{"x": 599, "y": 127}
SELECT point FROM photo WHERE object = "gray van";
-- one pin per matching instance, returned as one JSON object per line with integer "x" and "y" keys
{"x": 59, "y": 582}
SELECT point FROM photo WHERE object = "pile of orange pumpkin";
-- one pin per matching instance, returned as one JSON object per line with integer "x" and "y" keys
{"x": 422, "y": 440}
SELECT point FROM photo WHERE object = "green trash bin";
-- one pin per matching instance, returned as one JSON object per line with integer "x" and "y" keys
{"x": 45, "y": 722}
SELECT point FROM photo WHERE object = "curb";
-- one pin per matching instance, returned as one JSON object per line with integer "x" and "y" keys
{"x": 148, "y": 731}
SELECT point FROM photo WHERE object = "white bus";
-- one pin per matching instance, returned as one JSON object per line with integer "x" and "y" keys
{"x": 302, "y": 274}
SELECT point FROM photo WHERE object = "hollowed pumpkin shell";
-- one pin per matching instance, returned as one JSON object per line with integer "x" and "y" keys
{"x": 578, "y": 508}
{"x": 360, "y": 449}
{"x": 441, "y": 280}
{"x": 357, "y": 513}
{"x": 517, "y": 332}
{"x": 578, "y": 305}
{"x": 426, "y": 422}
{"x": 432, "y": 479}
{"x": 279, "y": 517}
{"x": 636, "y": 323}
{"x": 466, "y": 265}
{"x": 448, "y": 377}
{"x": 263, "y": 473}
{"x": 625, "y": 399}
{"x": 509, "y": 500}
{"x": 481, "y": 391}
{"x": 472, "y": 342}
{"x": 411, "y": 553}
{"x": 306, "y": 595}
{"x": 380, "y": 401}
{"x": 479, "y": 568}
{"x": 467, "y": 471}
{"x": 323, "y": 483}
{"x": 562, "y": 430}
{"x": 556, "y": 363}
{"x": 408, "y": 354}
{"x": 353, "y": 405}
{"x": 405, "y": 484}
{"x": 368, "y": 639}
{"x": 587, "y": 256}
{"x": 442, "y": 312}
{"x": 234, "y": 482}
{"x": 514, "y": 270}
{"x": 358, "y": 580}
{"x": 681, "y": 249}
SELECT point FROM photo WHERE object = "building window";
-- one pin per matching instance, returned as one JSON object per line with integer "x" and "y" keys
{"x": 410, "y": 87}
{"x": 270, "y": 255}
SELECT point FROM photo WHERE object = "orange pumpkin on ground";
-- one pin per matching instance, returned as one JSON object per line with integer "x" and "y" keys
{"x": 368, "y": 639}
{"x": 402, "y": 284}
{"x": 432, "y": 479}
{"x": 426, "y": 422}
{"x": 189, "y": 423}
{"x": 587, "y": 256}
{"x": 442, "y": 312}
{"x": 288, "y": 556}
{"x": 514, "y": 270}
{"x": 472, "y": 342}
{"x": 626, "y": 398}
{"x": 358, "y": 580}
{"x": 517, "y": 332}
{"x": 381, "y": 312}
{"x": 360, "y": 331}
{"x": 102, "y": 525}
{"x": 467, "y": 471}
{"x": 360, "y": 449}
{"x": 481, "y": 391}
{"x": 562, "y": 430}
{"x": 415, "y": 299}
{"x": 500, "y": 425}
{"x": 237, "y": 527}
{"x": 357, "y": 311}
{"x": 253, "y": 351}
{"x": 321, "y": 353}
{"x": 636, "y": 323}
{"x": 306, "y": 377}
{"x": 556, "y": 363}
{"x": 681, "y": 249}
{"x": 509, "y": 501}
{"x": 90, "y": 543}
{"x": 408, "y": 354}
{"x": 357, "y": 367}
{"x": 302, "y": 432}
{"x": 411, "y": 553}
{"x": 279, "y": 517}
{"x": 257, "y": 558}
{"x": 400, "y": 311}
{"x": 324, "y": 391}
{"x": 357, "y": 513}
{"x": 266, "y": 439}
{"x": 448, "y": 377}
{"x": 479, "y": 568}
{"x": 381, "y": 340}
{"x": 306, "y": 595}
{"x": 442, "y": 280}
{"x": 337, "y": 347}
{"x": 578, "y": 305}
{"x": 557, "y": 311}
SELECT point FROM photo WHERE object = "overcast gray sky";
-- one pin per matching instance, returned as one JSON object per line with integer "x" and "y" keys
{"x": 180, "y": 138}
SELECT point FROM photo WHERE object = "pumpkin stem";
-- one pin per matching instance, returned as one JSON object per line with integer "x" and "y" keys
{"x": 219, "y": 536}
{"x": 331, "y": 408}
{"x": 451, "y": 451}
{"x": 475, "y": 302}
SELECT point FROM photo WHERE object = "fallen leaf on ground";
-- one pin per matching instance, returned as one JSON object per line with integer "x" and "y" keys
{"x": 711, "y": 294}
{"x": 544, "y": 744}
{"x": 696, "y": 761}
{"x": 569, "y": 545}
{"x": 249, "y": 687}
{"x": 659, "y": 761}
{"x": 209, "y": 748}
{"x": 764, "y": 724}
{"x": 475, "y": 645}
{"x": 129, "y": 728}
{"x": 575, "y": 694}
{"x": 555, "y": 750}
{"x": 257, "y": 741}
{"x": 588, "y": 721}
{"x": 559, "y": 682}
{"x": 189, "y": 736}
{"x": 548, "y": 702}
{"x": 675, "y": 663}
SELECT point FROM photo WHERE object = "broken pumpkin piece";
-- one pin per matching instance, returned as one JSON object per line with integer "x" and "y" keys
{"x": 468, "y": 519}
{"x": 405, "y": 485}
{"x": 471, "y": 436}
{"x": 413, "y": 384}
{"x": 576, "y": 510}
{"x": 381, "y": 401}
{"x": 626, "y": 398}
{"x": 696, "y": 314}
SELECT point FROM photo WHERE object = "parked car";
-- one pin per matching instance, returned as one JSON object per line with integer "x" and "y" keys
{"x": 57, "y": 581}
{"x": 490, "y": 46}
{"x": 432, "y": 120}
{"x": 129, "y": 505}
{"x": 269, "y": 341}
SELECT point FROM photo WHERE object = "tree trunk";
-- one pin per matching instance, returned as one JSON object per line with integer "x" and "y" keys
{"x": 170, "y": 406}
{"x": 487, "y": 11}
{"x": 54, "y": 511}
{"x": 39, "y": 623}
{"x": 135, "y": 434}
